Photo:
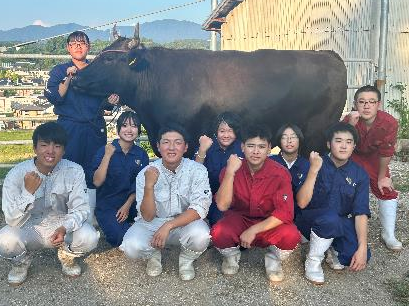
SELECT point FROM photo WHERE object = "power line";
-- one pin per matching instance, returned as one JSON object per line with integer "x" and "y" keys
{"x": 3, "y": 49}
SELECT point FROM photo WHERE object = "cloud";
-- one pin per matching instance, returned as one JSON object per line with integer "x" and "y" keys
{"x": 41, "y": 23}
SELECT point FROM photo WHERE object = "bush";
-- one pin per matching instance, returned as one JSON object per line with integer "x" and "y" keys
{"x": 401, "y": 107}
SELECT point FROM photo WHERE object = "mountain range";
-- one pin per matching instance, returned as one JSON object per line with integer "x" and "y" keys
{"x": 160, "y": 31}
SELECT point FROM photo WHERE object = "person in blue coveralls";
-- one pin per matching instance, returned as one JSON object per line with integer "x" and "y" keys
{"x": 115, "y": 168}
{"x": 290, "y": 139}
{"x": 214, "y": 152}
{"x": 335, "y": 207}
{"x": 79, "y": 114}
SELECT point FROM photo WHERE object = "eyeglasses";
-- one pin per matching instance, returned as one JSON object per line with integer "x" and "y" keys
{"x": 81, "y": 44}
{"x": 289, "y": 138}
{"x": 370, "y": 102}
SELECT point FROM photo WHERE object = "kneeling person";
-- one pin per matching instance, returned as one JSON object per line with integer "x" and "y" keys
{"x": 335, "y": 207}
{"x": 257, "y": 200}
{"x": 173, "y": 196}
{"x": 45, "y": 205}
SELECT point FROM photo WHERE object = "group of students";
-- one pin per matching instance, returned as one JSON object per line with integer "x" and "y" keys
{"x": 249, "y": 198}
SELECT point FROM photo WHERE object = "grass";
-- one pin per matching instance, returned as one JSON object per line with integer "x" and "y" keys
{"x": 11, "y": 154}
{"x": 15, "y": 135}
{"x": 400, "y": 290}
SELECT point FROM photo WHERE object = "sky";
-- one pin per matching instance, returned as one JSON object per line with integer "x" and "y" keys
{"x": 21, "y": 13}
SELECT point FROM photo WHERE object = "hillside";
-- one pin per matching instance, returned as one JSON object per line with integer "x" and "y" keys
{"x": 160, "y": 31}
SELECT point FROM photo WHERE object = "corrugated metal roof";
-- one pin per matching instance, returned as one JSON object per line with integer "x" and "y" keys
{"x": 216, "y": 19}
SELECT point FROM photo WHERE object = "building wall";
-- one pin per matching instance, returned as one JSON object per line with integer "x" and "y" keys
{"x": 349, "y": 27}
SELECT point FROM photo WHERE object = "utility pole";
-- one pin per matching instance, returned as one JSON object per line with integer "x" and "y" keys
{"x": 383, "y": 38}
{"x": 213, "y": 34}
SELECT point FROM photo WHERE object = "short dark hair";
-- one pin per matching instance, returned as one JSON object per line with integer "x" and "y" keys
{"x": 255, "y": 130}
{"x": 124, "y": 117}
{"x": 233, "y": 120}
{"x": 296, "y": 130}
{"x": 173, "y": 127}
{"x": 78, "y": 36}
{"x": 342, "y": 127}
{"x": 367, "y": 88}
{"x": 50, "y": 132}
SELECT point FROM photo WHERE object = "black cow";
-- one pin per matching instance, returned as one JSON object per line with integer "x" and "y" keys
{"x": 273, "y": 87}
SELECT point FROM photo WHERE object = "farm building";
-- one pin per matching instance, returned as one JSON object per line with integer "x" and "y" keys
{"x": 349, "y": 27}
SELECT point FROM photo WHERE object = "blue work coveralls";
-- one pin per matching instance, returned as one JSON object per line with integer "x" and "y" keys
{"x": 339, "y": 195}
{"x": 81, "y": 116}
{"x": 215, "y": 161}
{"x": 298, "y": 171}
{"x": 119, "y": 184}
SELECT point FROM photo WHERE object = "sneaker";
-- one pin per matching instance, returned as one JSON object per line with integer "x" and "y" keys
{"x": 68, "y": 265}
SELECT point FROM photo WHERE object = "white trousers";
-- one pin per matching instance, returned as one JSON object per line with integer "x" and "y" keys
{"x": 194, "y": 236}
{"x": 35, "y": 234}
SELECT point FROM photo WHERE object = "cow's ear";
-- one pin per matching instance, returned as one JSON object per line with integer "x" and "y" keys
{"x": 136, "y": 57}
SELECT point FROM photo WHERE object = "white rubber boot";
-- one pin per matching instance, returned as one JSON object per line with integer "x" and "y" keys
{"x": 154, "y": 264}
{"x": 332, "y": 260}
{"x": 387, "y": 215}
{"x": 19, "y": 271}
{"x": 272, "y": 261}
{"x": 313, "y": 269}
{"x": 68, "y": 265}
{"x": 186, "y": 259}
{"x": 231, "y": 259}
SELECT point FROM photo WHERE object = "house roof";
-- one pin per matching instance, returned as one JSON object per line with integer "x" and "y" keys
{"x": 218, "y": 16}
{"x": 31, "y": 108}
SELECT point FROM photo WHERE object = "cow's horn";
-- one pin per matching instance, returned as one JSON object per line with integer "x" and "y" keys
{"x": 135, "y": 40}
{"x": 115, "y": 34}
{"x": 136, "y": 32}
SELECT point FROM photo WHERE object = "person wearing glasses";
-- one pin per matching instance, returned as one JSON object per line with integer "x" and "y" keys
{"x": 377, "y": 132}
{"x": 290, "y": 139}
{"x": 79, "y": 114}
{"x": 214, "y": 152}
{"x": 173, "y": 197}
{"x": 256, "y": 197}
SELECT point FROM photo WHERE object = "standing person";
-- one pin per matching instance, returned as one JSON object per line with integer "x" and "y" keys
{"x": 377, "y": 131}
{"x": 214, "y": 152}
{"x": 173, "y": 196}
{"x": 79, "y": 114}
{"x": 335, "y": 207}
{"x": 115, "y": 168}
{"x": 256, "y": 198}
{"x": 290, "y": 139}
{"x": 45, "y": 206}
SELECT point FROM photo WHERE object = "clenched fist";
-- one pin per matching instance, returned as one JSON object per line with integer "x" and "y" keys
{"x": 315, "y": 161}
{"x": 32, "y": 181}
{"x": 205, "y": 143}
{"x": 233, "y": 164}
{"x": 151, "y": 176}
{"x": 109, "y": 149}
{"x": 353, "y": 118}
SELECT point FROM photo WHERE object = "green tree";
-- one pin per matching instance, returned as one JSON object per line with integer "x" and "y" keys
{"x": 401, "y": 107}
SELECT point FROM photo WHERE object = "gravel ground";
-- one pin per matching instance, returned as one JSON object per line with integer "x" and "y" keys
{"x": 109, "y": 278}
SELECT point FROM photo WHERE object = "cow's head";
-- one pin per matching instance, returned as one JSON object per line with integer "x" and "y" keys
{"x": 112, "y": 69}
